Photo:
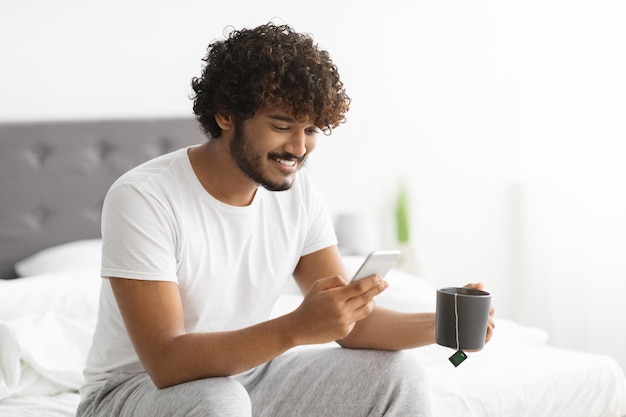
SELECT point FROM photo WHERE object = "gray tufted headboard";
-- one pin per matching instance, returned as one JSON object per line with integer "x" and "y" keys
{"x": 54, "y": 176}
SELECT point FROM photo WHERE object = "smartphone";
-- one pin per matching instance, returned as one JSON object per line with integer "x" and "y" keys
{"x": 377, "y": 262}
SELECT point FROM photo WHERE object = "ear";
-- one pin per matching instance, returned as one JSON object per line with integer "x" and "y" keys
{"x": 224, "y": 121}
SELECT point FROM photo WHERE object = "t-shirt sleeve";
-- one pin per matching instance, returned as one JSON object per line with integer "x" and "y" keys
{"x": 138, "y": 238}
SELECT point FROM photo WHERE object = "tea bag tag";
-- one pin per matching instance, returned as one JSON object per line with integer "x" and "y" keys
{"x": 457, "y": 358}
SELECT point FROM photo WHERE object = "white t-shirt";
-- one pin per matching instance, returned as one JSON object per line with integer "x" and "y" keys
{"x": 230, "y": 263}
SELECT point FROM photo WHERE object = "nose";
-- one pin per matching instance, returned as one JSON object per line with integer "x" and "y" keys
{"x": 297, "y": 145}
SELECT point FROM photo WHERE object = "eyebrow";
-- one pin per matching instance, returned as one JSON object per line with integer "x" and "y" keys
{"x": 282, "y": 118}
{"x": 286, "y": 119}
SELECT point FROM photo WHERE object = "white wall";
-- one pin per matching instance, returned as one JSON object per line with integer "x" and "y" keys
{"x": 485, "y": 109}
{"x": 573, "y": 189}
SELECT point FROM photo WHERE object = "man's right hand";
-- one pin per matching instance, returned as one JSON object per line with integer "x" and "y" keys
{"x": 332, "y": 307}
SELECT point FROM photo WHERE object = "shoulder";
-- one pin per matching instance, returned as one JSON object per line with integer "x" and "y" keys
{"x": 154, "y": 183}
{"x": 153, "y": 168}
{"x": 153, "y": 176}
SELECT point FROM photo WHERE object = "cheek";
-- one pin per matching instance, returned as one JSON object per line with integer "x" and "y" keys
{"x": 310, "y": 144}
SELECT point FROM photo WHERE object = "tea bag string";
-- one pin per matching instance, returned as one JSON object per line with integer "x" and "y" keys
{"x": 456, "y": 320}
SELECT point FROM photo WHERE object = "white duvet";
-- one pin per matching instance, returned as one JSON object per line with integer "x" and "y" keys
{"x": 42, "y": 354}
{"x": 46, "y": 323}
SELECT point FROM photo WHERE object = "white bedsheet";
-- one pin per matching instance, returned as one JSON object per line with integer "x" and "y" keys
{"x": 42, "y": 355}
{"x": 59, "y": 405}
{"x": 515, "y": 376}
{"x": 46, "y": 323}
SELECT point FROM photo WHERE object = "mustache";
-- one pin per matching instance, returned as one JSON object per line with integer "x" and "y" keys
{"x": 288, "y": 156}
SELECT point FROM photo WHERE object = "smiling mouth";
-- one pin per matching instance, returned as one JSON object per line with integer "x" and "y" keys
{"x": 287, "y": 162}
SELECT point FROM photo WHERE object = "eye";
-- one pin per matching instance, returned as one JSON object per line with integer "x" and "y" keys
{"x": 281, "y": 128}
{"x": 312, "y": 131}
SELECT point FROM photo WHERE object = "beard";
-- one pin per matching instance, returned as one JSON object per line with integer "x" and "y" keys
{"x": 250, "y": 162}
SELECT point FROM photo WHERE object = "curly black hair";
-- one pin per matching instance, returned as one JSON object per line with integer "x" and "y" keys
{"x": 270, "y": 65}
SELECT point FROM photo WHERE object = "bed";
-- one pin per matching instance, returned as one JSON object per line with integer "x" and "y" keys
{"x": 53, "y": 177}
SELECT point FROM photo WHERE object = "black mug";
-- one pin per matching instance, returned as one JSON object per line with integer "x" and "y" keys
{"x": 462, "y": 316}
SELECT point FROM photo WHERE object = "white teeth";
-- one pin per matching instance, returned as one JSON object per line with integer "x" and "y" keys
{"x": 286, "y": 162}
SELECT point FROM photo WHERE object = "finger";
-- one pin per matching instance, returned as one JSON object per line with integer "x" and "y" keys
{"x": 327, "y": 283}
{"x": 489, "y": 333}
{"x": 491, "y": 325}
{"x": 362, "y": 306}
{"x": 366, "y": 284}
{"x": 366, "y": 294}
{"x": 475, "y": 286}
{"x": 364, "y": 310}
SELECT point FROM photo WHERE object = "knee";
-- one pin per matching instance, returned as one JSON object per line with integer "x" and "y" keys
{"x": 405, "y": 385}
{"x": 396, "y": 381}
{"x": 396, "y": 372}
{"x": 407, "y": 375}
{"x": 405, "y": 366}
{"x": 219, "y": 397}
{"x": 390, "y": 368}
{"x": 401, "y": 361}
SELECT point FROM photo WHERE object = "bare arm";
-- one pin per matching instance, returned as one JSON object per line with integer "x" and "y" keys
{"x": 153, "y": 316}
{"x": 382, "y": 328}
{"x": 391, "y": 330}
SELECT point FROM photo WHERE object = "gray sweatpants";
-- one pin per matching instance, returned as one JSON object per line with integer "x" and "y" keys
{"x": 307, "y": 382}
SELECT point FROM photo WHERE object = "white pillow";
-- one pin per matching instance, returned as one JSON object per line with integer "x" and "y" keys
{"x": 76, "y": 255}
{"x": 408, "y": 292}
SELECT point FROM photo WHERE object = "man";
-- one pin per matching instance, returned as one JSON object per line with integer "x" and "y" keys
{"x": 195, "y": 254}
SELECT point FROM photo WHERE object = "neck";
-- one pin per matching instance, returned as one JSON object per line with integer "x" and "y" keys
{"x": 219, "y": 175}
